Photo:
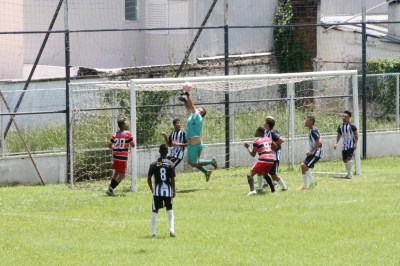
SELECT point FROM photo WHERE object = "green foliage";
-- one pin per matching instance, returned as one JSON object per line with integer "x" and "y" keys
{"x": 383, "y": 89}
{"x": 148, "y": 112}
{"x": 38, "y": 139}
{"x": 92, "y": 136}
{"x": 340, "y": 222}
{"x": 288, "y": 43}
{"x": 288, "y": 46}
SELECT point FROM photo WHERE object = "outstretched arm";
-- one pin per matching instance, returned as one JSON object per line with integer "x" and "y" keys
{"x": 169, "y": 144}
{"x": 252, "y": 152}
{"x": 189, "y": 104}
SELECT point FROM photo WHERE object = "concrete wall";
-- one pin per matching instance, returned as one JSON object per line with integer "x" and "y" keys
{"x": 19, "y": 169}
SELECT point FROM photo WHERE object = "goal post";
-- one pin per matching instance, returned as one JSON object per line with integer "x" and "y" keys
{"x": 151, "y": 105}
{"x": 354, "y": 96}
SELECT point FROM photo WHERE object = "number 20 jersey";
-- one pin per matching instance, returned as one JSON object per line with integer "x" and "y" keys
{"x": 120, "y": 141}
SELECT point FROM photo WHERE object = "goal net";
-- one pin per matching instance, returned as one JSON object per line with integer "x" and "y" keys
{"x": 236, "y": 106}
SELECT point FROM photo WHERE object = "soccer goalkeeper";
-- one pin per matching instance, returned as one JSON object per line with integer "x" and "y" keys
{"x": 194, "y": 126}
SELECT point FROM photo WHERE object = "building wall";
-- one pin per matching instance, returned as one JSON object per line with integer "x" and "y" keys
{"x": 346, "y": 7}
{"x": 118, "y": 49}
{"x": 11, "y": 45}
{"x": 347, "y": 49}
{"x": 241, "y": 13}
{"x": 307, "y": 12}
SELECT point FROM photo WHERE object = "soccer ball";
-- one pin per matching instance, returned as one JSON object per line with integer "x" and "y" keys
{"x": 187, "y": 86}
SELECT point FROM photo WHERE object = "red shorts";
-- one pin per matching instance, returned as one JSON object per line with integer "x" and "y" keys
{"x": 119, "y": 166}
{"x": 262, "y": 167}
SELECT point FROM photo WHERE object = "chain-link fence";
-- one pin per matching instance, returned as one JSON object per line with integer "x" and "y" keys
{"x": 46, "y": 44}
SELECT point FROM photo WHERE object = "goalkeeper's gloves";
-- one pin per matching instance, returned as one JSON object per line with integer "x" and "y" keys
{"x": 184, "y": 93}
{"x": 182, "y": 99}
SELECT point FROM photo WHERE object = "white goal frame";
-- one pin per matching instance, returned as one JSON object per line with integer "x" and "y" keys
{"x": 288, "y": 79}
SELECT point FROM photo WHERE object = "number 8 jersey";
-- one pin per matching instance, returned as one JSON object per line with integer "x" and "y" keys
{"x": 163, "y": 170}
{"x": 120, "y": 141}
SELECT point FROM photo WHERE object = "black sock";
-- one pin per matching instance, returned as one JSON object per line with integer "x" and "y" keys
{"x": 269, "y": 181}
{"x": 114, "y": 183}
{"x": 250, "y": 179}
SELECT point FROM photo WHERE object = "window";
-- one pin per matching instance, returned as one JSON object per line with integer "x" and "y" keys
{"x": 167, "y": 14}
{"x": 131, "y": 10}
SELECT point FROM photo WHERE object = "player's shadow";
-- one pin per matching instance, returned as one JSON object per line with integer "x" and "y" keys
{"x": 340, "y": 177}
{"x": 188, "y": 190}
{"x": 116, "y": 195}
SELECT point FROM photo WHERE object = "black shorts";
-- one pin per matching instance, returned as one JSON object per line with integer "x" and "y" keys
{"x": 160, "y": 202}
{"x": 176, "y": 161}
{"x": 347, "y": 153}
{"x": 311, "y": 160}
{"x": 274, "y": 170}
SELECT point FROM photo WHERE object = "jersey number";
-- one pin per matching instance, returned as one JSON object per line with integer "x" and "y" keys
{"x": 163, "y": 174}
{"x": 119, "y": 143}
{"x": 267, "y": 146}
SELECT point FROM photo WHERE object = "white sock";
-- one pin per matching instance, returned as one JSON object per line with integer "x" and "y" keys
{"x": 171, "y": 221}
{"x": 260, "y": 181}
{"x": 304, "y": 180}
{"x": 309, "y": 174}
{"x": 349, "y": 165}
{"x": 153, "y": 222}
{"x": 282, "y": 184}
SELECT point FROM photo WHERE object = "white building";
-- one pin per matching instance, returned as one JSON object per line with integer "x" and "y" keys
{"x": 105, "y": 33}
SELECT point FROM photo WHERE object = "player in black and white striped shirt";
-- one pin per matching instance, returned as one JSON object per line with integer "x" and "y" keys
{"x": 349, "y": 133}
{"x": 313, "y": 155}
{"x": 176, "y": 140}
{"x": 164, "y": 188}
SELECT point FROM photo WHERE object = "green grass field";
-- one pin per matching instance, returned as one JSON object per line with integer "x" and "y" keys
{"x": 340, "y": 222}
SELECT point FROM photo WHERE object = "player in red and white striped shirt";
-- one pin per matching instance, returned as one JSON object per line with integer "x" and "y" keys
{"x": 119, "y": 143}
{"x": 265, "y": 162}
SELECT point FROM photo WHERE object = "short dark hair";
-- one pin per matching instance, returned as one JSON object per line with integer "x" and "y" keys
{"x": 121, "y": 123}
{"x": 204, "y": 111}
{"x": 311, "y": 118}
{"x": 347, "y": 112}
{"x": 163, "y": 149}
{"x": 261, "y": 130}
{"x": 270, "y": 121}
{"x": 175, "y": 120}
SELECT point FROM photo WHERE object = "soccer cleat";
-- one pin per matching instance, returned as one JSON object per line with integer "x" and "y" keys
{"x": 214, "y": 163}
{"x": 312, "y": 185}
{"x": 349, "y": 176}
{"x": 153, "y": 236}
{"x": 208, "y": 174}
{"x": 259, "y": 189}
{"x": 110, "y": 191}
{"x": 284, "y": 189}
{"x": 182, "y": 99}
{"x": 253, "y": 192}
{"x": 172, "y": 234}
{"x": 303, "y": 188}
{"x": 265, "y": 185}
